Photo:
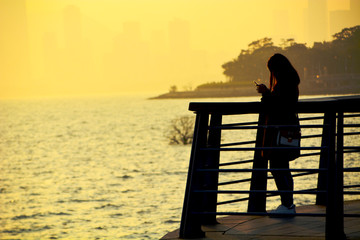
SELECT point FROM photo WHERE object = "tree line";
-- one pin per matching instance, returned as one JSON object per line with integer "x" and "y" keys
{"x": 341, "y": 56}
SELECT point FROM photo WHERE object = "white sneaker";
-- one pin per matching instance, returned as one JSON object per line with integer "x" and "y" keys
{"x": 282, "y": 211}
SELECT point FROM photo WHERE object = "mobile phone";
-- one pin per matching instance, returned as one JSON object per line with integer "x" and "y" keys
{"x": 256, "y": 83}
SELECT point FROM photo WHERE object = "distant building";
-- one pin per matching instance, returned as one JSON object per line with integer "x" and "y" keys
{"x": 179, "y": 36}
{"x": 282, "y": 28}
{"x": 345, "y": 18}
{"x": 316, "y": 24}
{"x": 14, "y": 42}
{"x": 72, "y": 27}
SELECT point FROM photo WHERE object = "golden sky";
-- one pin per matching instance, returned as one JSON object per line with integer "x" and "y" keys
{"x": 52, "y": 48}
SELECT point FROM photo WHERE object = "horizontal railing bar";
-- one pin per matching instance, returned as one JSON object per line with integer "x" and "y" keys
{"x": 315, "y": 170}
{"x": 351, "y": 215}
{"x": 274, "y": 194}
{"x": 232, "y": 125}
{"x": 352, "y": 186}
{"x": 234, "y": 182}
{"x": 237, "y": 143}
{"x": 311, "y": 136}
{"x": 351, "y": 151}
{"x": 351, "y": 125}
{"x": 249, "y": 161}
{"x": 352, "y": 147}
{"x": 267, "y": 126}
{"x": 310, "y": 154}
{"x": 351, "y": 115}
{"x": 354, "y": 169}
{"x": 240, "y": 124}
{"x": 236, "y": 127}
{"x": 351, "y": 133}
{"x": 262, "y": 214}
{"x": 310, "y": 190}
{"x": 320, "y": 135}
{"x": 235, "y": 163}
{"x": 303, "y": 174}
{"x": 262, "y": 148}
{"x": 302, "y": 137}
{"x": 301, "y": 119}
{"x": 232, "y": 201}
{"x": 298, "y": 175}
{"x": 352, "y": 192}
{"x": 247, "y": 198}
{"x": 258, "y": 191}
{"x": 310, "y": 118}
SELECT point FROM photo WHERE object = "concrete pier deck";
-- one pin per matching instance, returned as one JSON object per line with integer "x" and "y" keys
{"x": 266, "y": 228}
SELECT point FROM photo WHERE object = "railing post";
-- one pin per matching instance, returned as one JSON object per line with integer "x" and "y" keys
{"x": 332, "y": 229}
{"x": 211, "y": 179}
{"x": 257, "y": 201}
{"x": 190, "y": 226}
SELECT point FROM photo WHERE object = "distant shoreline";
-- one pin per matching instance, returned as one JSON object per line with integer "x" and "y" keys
{"x": 211, "y": 93}
{"x": 251, "y": 91}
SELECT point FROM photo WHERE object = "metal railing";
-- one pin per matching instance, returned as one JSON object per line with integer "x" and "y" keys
{"x": 202, "y": 188}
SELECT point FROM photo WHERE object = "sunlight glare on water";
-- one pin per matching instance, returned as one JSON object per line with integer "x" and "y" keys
{"x": 88, "y": 168}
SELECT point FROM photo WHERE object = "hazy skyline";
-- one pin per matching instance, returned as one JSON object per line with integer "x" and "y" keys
{"x": 109, "y": 47}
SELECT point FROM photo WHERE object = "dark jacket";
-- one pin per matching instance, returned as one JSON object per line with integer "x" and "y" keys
{"x": 280, "y": 109}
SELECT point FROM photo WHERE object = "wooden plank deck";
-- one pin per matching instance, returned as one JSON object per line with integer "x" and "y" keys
{"x": 266, "y": 228}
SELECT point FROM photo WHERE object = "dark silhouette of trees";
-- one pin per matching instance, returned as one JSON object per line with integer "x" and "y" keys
{"x": 249, "y": 65}
{"x": 347, "y": 50}
{"x": 319, "y": 63}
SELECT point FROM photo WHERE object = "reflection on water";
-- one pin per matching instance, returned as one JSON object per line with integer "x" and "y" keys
{"x": 92, "y": 168}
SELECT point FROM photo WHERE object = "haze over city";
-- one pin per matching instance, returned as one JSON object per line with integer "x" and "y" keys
{"x": 111, "y": 47}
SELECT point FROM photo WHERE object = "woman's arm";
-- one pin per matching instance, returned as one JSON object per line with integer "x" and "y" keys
{"x": 261, "y": 88}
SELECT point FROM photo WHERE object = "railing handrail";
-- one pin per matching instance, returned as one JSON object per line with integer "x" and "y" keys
{"x": 202, "y": 183}
{"x": 313, "y": 105}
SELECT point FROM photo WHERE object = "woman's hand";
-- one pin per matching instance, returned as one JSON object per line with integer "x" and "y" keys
{"x": 261, "y": 88}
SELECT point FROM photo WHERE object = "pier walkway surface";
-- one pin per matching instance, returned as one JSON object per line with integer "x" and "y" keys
{"x": 266, "y": 228}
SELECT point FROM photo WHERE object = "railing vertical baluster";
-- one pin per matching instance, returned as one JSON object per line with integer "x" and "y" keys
{"x": 211, "y": 179}
{"x": 340, "y": 176}
{"x": 257, "y": 201}
{"x": 191, "y": 223}
{"x": 331, "y": 229}
{"x": 323, "y": 163}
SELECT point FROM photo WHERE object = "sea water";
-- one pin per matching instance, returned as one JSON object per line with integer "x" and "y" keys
{"x": 98, "y": 168}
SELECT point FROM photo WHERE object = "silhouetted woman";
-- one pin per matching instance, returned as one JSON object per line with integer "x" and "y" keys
{"x": 280, "y": 100}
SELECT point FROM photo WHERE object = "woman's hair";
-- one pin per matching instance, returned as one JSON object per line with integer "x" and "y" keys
{"x": 284, "y": 73}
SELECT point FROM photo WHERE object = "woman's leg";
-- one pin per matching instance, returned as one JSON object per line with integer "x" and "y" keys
{"x": 283, "y": 180}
